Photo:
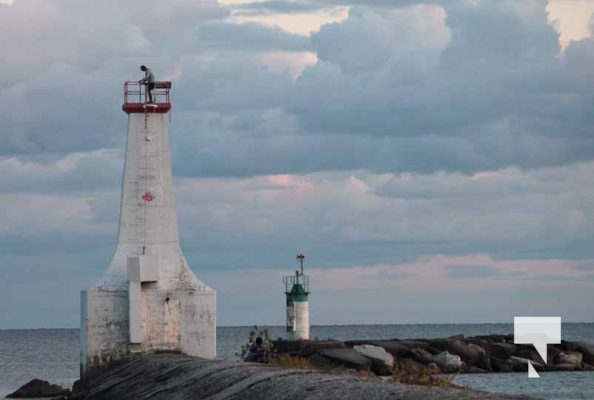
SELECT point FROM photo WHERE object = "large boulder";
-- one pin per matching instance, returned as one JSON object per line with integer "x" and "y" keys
{"x": 567, "y": 346}
{"x": 347, "y": 358}
{"x": 382, "y": 362}
{"x": 421, "y": 356}
{"x": 394, "y": 347}
{"x": 502, "y": 350}
{"x": 587, "y": 351}
{"x": 480, "y": 343}
{"x": 563, "y": 367}
{"x": 471, "y": 354}
{"x": 447, "y": 362}
{"x": 530, "y": 354}
{"x": 484, "y": 361}
{"x": 313, "y": 346}
{"x": 501, "y": 365}
{"x": 521, "y": 364}
{"x": 37, "y": 388}
{"x": 414, "y": 344}
{"x": 491, "y": 338}
{"x": 569, "y": 357}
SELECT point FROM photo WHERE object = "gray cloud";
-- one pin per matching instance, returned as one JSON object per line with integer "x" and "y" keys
{"x": 476, "y": 271}
{"x": 584, "y": 266}
{"x": 390, "y": 89}
{"x": 306, "y": 6}
{"x": 74, "y": 172}
{"x": 218, "y": 35}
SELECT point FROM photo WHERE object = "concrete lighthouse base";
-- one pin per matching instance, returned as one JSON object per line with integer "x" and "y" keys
{"x": 103, "y": 329}
{"x": 183, "y": 321}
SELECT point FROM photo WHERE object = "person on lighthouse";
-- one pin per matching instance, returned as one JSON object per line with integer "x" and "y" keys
{"x": 149, "y": 81}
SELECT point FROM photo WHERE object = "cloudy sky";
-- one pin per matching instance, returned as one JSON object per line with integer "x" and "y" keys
{"x": 433, "y": 159}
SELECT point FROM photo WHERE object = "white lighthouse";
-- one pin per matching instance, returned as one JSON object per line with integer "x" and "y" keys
{"x": 297, "y": 294}
{"x": 149, "y": 298}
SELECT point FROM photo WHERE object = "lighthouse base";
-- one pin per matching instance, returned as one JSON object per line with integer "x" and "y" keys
{"x": 103, "y": 329}
{"x": 114, "y": 324}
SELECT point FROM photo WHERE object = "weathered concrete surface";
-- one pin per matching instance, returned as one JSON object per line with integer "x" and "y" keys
{"x": 177, "y": 377}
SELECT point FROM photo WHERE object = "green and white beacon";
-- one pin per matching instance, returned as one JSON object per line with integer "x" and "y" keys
{"x": 297, "y": 291}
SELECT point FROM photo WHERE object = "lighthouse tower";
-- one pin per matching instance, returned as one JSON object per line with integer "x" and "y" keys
{"x": 297, "y": 292}
{"x": 149, "y": 299}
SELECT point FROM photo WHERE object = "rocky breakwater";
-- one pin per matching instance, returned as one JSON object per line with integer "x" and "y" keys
{"x": 178, "y": 377}
{"x": 458, "y": 354}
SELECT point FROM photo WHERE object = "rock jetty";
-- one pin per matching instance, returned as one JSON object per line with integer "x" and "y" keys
{"x": 179, "y": 377}
{"x": 457, "y": 354}
{"x": 37, "y": 388}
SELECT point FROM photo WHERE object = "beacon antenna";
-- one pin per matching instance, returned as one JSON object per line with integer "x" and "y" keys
{"x": 297, "y": 295}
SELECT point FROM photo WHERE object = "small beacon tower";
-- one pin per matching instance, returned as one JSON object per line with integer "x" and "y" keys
{"x": 297, "y": 292}
{"x": 149, "y": 299}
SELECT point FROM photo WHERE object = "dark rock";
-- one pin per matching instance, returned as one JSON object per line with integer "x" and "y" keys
{"x": 38, "y": 388}
{"x": 288, "y": 346}
{"x": 485, "y": 345}
{"x": 433, "y": 350}
{"x": 394, "y": 347}
{"x": 379, "y": 368}
{"x": 347, "y": 358}
{"x": 448, "y": 363}
{"x": 471, "y": 354}
{"x": 502, "y": 365}
{"x": 193, "y": 378}
{"x": 502, "y": 350}
{"x": 530, "y": 354}
{"x": 552, "y": 353}
{"x": 569, "y": 357}
{"x": 492, "y": 338}
{"x": 567, "y": 346}
{"x": 312, "y": 347}
{"x": 421, "y": 356}
{"x": 78, "y": 386}
{"x": 587, "y": 351}
{"x": 563, "y": 367}
{"x": 483, "y": 361}
{"x": 509, "y": 338}
{"x": 382, "y": 362}
{"x": 305, "y": 348}
{"x": 415, "y": 344}
{"x": 521, "y": 364}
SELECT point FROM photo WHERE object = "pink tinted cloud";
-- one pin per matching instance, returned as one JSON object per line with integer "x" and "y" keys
{"x": 468, "y": 272}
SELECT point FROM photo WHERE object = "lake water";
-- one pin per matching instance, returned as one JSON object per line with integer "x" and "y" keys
{"x": 53, "y": 355}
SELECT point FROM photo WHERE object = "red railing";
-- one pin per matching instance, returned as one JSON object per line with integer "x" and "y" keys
{"x": 136, "y": 98}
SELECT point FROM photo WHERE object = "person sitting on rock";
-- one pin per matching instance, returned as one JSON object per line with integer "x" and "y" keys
{"x": 257, "y": 352}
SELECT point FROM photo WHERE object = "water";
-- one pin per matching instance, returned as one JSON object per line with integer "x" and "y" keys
{"x": 53, "y": 355}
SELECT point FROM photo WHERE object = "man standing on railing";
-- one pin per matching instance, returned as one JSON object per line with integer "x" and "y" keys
{"x": 149, "y": 81}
